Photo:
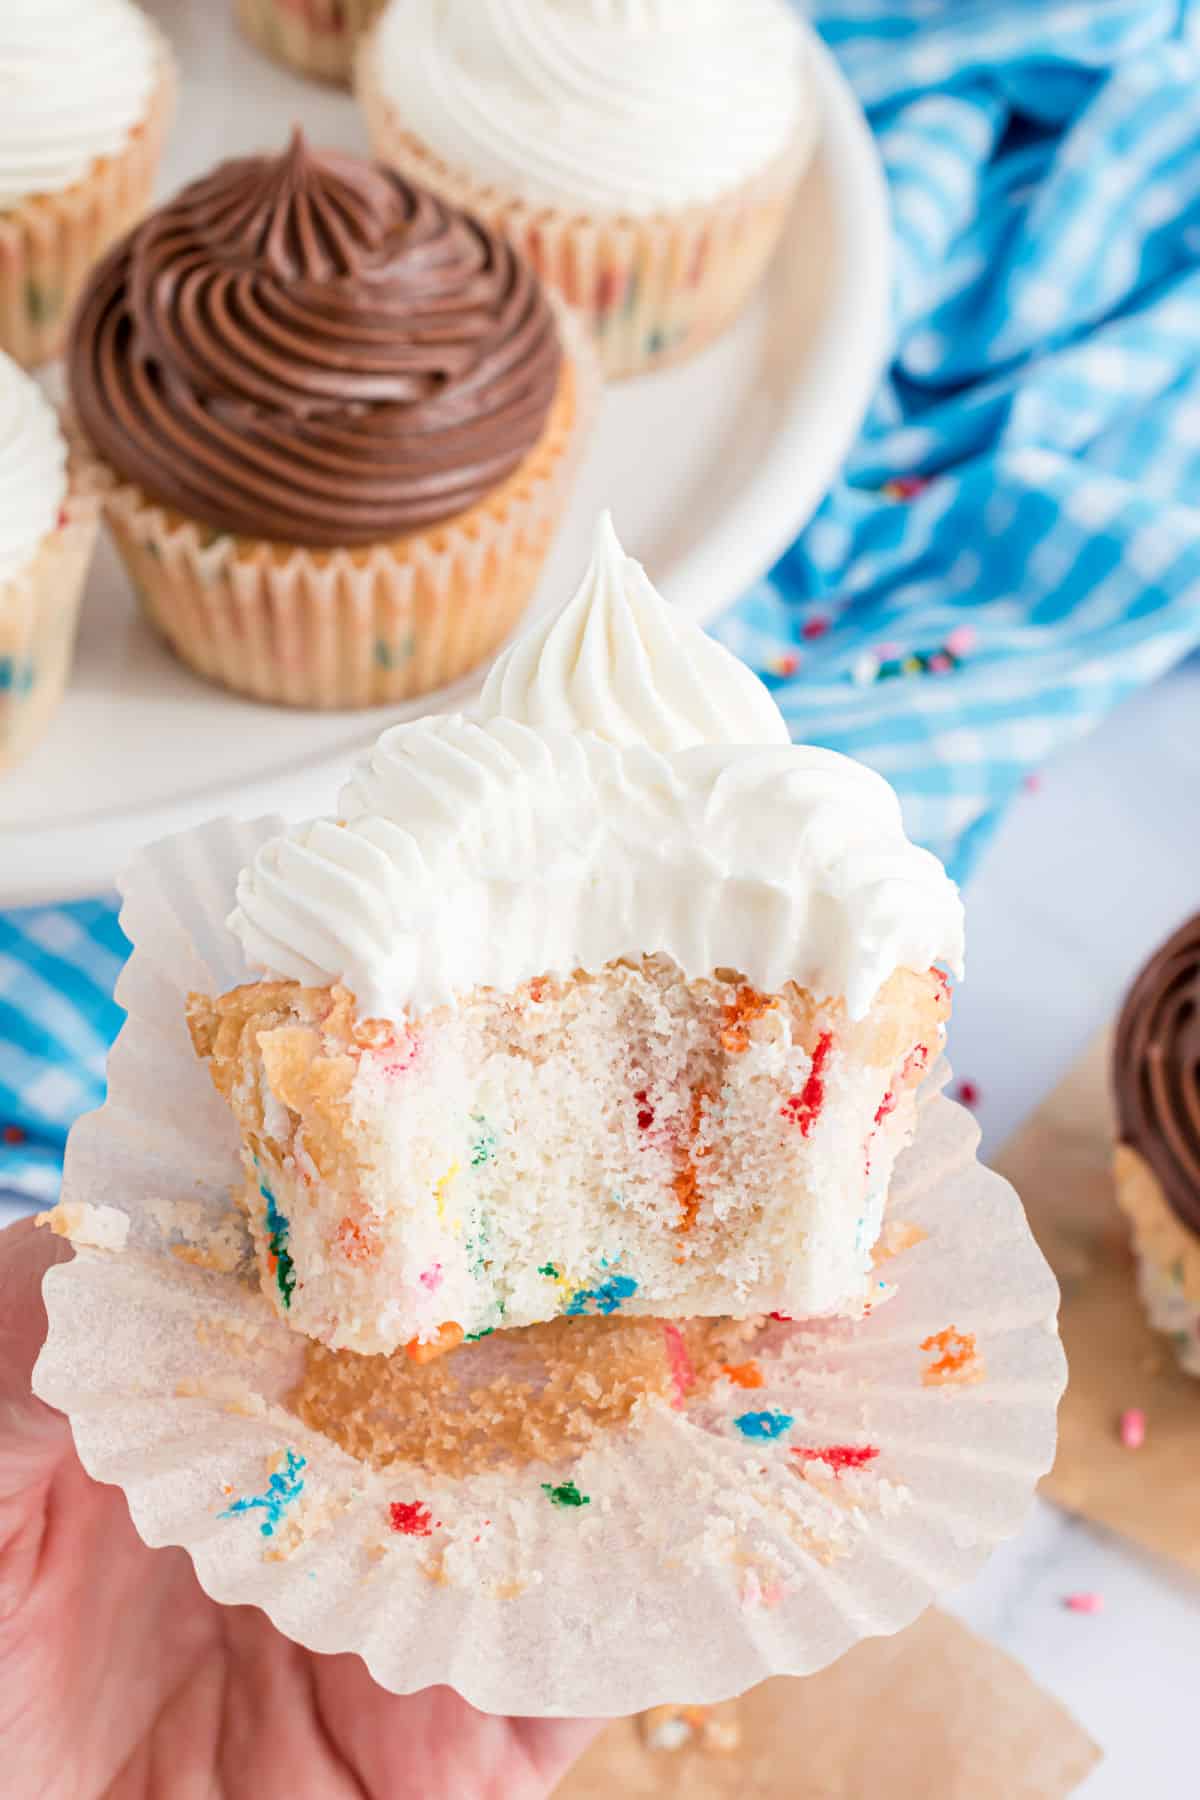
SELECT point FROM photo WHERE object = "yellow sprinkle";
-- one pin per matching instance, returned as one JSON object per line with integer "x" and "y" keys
{"x": 440, "y": 1192}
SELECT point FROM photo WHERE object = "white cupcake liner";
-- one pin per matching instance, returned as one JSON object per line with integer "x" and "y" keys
{"x": 704, "y": 1561}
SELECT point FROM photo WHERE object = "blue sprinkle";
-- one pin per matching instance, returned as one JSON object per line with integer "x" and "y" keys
{"x": 284, "y": 1486}
{"x": 763, "y": 1424}
{"x": 608, "y": 1297}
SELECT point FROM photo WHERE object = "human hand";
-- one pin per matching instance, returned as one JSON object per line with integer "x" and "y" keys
{"x": 122, "y": 1679}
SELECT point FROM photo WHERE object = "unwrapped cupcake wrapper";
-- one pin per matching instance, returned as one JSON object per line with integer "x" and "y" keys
{"x": 39, "y": 610}
{"x": 316, "y": 37}
{"x": 653, "y": 291}
{"x": 362, "y": 627}
{"x": 1168, "y": 1257}
{"x": 758, "y": 1527}
{"x": 50, "y": 242}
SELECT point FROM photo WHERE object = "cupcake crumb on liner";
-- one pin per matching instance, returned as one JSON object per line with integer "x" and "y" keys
{"x": 50, "y": 242}
{"x": 1168, "y": 1256}
{"x": 355, "y": 627}
{"x": 665, "y": 1529}
{"x": 314, "y": 37}
{"x": 39, "y": 612}
{"x": 653, "y": 291}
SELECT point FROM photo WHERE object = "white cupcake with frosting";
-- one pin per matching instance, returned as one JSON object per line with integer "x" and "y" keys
{"x": 643, "y": 153}
{"x": 85, "y": 95}
{"x": 47, "y": 531}
{"x": 608, "y": 999}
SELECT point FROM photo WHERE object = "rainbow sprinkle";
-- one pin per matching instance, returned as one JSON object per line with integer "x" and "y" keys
{"x": 565, "y": 1494}
{"x": 683, "y": 1376}
{"x": 609, "y": 1297}
{"x": 283, "y": 1487}
{"x": 484, "y": 1147}
{"x": 763, "y": 1424}
{"x": 410, "y": 1518}
{"x": 278, "y": 1230}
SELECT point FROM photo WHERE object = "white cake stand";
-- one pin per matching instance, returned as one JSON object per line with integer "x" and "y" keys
{"x": 709, "y": 470}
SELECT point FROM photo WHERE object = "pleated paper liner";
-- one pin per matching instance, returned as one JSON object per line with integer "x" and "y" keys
{"x": 729, "y": 1527}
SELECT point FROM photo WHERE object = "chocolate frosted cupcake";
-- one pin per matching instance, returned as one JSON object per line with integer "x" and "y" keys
{"x": 334, "y": 421}
{"x": 1156, "y": 1082}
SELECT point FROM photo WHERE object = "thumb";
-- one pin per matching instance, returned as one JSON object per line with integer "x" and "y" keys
{"x": 33, "y": 1436}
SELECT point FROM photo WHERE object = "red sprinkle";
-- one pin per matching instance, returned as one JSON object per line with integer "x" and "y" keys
{"x": 784, "y": 1318}
{"x": 839, "y": 1456}
{"x": 1133, "y": 1428}
{"x": 804, "y": 1109}
{"x": 645, "y": 1116}
{"x": 13, "y": 1134}
{"x": 815, "y": 627}
{"x": 411, "y": 1518}
{"x": 786, "y": 663}
{"x": 1084, "y": 1603}
{"x": 967, "y": 1092}
{"x": 886, "y": 1105}
{"x": 683, "y": 1376}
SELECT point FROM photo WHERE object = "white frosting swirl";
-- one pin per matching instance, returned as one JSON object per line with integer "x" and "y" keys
{"x": 75, "y": 79}
{"x": 631, "y": 106}
{"x": 33, "y": 468}
{"x": 485, "y": 852}
{"x": 617, "y": 662}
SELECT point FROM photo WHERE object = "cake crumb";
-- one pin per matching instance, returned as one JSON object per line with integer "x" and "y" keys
{"x": 958, "y": 1362}
{"x": 95, "y": 1227}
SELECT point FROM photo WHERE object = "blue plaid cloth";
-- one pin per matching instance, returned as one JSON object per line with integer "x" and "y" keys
{"x": 1015, "y": 542}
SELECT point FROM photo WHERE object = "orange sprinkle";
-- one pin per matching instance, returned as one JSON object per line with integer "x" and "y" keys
{"x": 741, "y": 1012}
{"x": 744, "y": 1375}
{"x": 354, "y": 1243}
{"x": 447, "y": 1337}
{"x": 687, "y": 1182}
{"x": 958, "y": 1359}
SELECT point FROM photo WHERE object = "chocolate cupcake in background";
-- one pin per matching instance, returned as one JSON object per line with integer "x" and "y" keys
{"x": 333, "y": 421}
{"x": 1156, "y": 1085}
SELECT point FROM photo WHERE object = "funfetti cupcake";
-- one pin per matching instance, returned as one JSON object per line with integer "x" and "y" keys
{"x": 314, "y": 37}
{"x": 610, "y": 999}
{"x": 643, "y": 153}
{"x": 86, "y": 90}
{"x": 334, "y": 419}
{"x": 1156, "y": 1088}
{"x": 47, "y": 529}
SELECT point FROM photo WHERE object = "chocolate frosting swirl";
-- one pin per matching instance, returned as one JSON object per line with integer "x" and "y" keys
{"x": 1156, "y": 1070}
{"x": 307, "y": 348}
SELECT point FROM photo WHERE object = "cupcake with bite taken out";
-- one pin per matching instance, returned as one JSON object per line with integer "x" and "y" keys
{"x": 334, "y": 421}
{"x": 643, "y": 154}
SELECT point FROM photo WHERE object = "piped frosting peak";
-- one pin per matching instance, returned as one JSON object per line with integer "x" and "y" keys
{"x": 629, "y": 789}
{"x": 619, "y": 662}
